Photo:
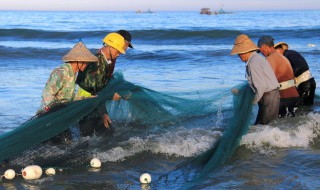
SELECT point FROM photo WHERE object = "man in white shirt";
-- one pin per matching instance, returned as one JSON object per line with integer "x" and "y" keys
{"x": 260, "y": 77}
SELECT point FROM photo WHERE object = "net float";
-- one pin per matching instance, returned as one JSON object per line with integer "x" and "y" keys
{"x": 32, "y": 172}
{"x": 50, "y": 171}
{"x": 95, "y": 163}
{"x": 145, "y": 178}
{"x": 9, "y": 174}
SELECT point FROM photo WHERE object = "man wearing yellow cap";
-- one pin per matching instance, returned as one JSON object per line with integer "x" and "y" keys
{"x": 304, "y": 81}
{"x": 60, "y": 87}
{"x": 260, "y": 77}
{"x": 95, "y": 77}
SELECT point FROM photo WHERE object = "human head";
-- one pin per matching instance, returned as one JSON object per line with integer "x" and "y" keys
{"x": 281, "y": 47}
{"x": 127, "y": 37}
{"x": 80, "y": 55}
{"x": 116, "y": 41}
{"x": 243, "y": 46}
{"x": 265, "y": 43}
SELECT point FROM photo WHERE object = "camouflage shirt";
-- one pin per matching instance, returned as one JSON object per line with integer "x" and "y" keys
{"x": 96, "y": 75}
{"x": 60, "y": 87}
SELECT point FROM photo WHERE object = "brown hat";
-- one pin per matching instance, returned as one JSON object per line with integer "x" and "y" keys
{"x": 284, "y": 45}
{"x": 243, "y": 44}
{"x": 79, "y": 52}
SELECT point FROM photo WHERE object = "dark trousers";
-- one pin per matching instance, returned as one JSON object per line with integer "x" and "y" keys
{"x": 306, "y": 91}
{"x": 288, "y": 106}
{"x": 268, "y": 107}
{"x": 92, "y": 124}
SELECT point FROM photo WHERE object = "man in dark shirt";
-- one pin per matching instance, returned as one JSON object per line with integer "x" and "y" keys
{"x": 305, "y": 83}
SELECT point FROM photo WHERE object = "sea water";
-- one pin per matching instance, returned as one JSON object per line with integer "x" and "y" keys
{"x": 176, "y": 53}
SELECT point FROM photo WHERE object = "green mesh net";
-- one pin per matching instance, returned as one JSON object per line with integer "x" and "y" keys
{"x": 236, "y": 127}
{"x": 142, "y": 107}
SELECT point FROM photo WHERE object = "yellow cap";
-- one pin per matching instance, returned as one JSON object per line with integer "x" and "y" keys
{"x": 116, "y": 41}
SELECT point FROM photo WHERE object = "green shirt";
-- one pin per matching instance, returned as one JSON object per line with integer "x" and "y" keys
{"x": 60, "y": 87}
{"x": 96, "y": 75}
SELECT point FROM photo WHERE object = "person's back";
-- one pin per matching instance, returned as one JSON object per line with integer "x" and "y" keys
{"x": 289, "y": 96}
{"x": 283, "y": 71}
{"x": 304, "y": 81}
{"x": 298, "y": 63}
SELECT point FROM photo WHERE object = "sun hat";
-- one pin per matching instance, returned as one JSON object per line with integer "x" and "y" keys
{"x": 126, "y": 35}
{"x": 243, "y": 44}
{"x": 80, "y": 52}
{"x": 283, "y": 45}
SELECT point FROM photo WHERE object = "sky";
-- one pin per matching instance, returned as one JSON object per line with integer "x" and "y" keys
{"x": 157, "y": 5}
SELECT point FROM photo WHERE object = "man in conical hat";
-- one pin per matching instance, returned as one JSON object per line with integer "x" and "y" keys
{"x": 60, "y": 87}
{"x": 260, "y": 77}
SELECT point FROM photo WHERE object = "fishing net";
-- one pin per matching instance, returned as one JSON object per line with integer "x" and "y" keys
{"x": 237, "y": 126}
{"x": 141, "y": 106}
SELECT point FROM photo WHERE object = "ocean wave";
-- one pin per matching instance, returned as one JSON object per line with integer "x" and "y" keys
{"x": 265, "y": 139}
{"x": 181, "y": 143}
{"x": 153, "y": 34}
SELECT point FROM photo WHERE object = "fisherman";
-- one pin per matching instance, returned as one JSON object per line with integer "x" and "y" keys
{"x": 261, "y": 79}
{"x": 60, "y": 87}
{"x": 305, "y": 83}
{"x": 96, "y": 76}
{"x": 289, "y": 96}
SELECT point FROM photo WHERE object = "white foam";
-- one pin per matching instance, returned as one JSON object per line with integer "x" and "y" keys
{"x": 263, "y": 138}
{"x": 181, "y": 142}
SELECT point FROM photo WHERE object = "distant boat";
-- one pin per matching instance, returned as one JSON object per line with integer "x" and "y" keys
{"x": 207, "y": 11}
{"x": 148, "y": 11}
{"x": 221, "y": 11}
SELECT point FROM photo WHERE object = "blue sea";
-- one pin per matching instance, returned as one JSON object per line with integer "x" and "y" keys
{"x": 175, "y": 53}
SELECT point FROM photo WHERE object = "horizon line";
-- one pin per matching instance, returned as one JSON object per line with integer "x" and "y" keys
{"x": 249, "y": 10}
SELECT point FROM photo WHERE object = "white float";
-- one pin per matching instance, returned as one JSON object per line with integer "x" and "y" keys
{"x": 9, "y": 174}
{"x": 50, "y": 171}
{"x": 145, "y": 178}
{"x": 32, "y": 172}
{"x": 95, "y": 163}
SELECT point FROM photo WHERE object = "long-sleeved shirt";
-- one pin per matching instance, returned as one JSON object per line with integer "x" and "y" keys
{"x": 283, "y": 71}
{"x": 60, "y": 87}
{"x": 96, "y": 76}
{"x": 260, "y": 76}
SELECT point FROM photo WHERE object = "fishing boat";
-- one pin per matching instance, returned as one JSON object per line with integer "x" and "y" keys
{"x": 147, "y": 11}
{"x": 205, "y": 11}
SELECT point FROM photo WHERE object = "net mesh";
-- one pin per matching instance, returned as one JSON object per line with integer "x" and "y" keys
{"x": 142, "y": 106}
{"x": 236, "y": 127}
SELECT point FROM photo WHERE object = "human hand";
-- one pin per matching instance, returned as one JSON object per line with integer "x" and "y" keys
{"x": 235, "y": 91}
{"x": 116, "y": 97}
{"x": 106, "y": 121}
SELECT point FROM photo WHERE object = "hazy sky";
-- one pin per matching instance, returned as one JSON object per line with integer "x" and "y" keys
{"x": 157, "y": 5}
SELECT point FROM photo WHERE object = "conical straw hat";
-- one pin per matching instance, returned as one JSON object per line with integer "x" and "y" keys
{"x": 79, "y": 52}
{"x": 243, "y": 44}
{"x": 284, "y": 45}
